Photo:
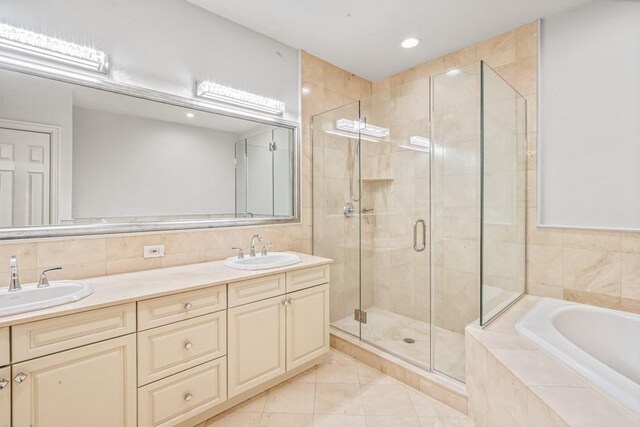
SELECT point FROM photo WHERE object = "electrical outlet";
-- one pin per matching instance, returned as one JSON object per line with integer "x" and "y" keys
{"x": 154, "y": 251}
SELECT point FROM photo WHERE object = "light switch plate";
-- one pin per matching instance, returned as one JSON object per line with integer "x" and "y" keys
{"x": 154, "y": 251}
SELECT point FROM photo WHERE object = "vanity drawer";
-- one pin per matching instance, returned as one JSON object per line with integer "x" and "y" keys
{"x": 256, "y": 289}
{"x": 48, "y": 336}
{"x": 181, "y": 396}
{"x": 4, "y": 346}
{"x": 301, "y": 279}
{"x": 172, "y": 308}
{"x": 173, "y": 348}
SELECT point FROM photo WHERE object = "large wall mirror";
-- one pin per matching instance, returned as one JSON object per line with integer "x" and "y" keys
{"x": 76, "y": 159}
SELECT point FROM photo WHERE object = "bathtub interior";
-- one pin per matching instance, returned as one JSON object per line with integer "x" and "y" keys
{"x": 612, "y": 338}
{"x": 599, "y": 344}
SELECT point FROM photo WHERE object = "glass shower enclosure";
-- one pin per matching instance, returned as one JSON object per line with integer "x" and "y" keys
{"x": 418, "y": 197}
{"x": 263, "y": 169}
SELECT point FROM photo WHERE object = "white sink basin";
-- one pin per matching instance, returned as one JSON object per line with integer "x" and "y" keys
{"x": 33, "y": 298}
{"x": 263, "y": 262}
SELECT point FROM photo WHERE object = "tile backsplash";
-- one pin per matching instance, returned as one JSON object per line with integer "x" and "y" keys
{"x": 84, "y": 257}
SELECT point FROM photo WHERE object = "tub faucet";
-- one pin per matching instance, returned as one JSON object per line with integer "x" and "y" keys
{"x": 252, "y": 252}
{"x": 14, "y": 284}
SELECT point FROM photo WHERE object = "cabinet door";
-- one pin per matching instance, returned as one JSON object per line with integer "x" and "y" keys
{"x": 256, "y": 347}
{"x": 5, "y": 397}
{"x": 93, "y": 386}
{"x": 307, "y": 325}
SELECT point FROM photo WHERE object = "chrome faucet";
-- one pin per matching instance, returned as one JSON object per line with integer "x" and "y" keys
{"x": 14, "y": 284}
{"x": 43, "y": 282}
{"x": 252, "y": 252}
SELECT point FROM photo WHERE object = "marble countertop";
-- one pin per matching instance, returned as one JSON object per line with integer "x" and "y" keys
{"x": 128, "y": 287}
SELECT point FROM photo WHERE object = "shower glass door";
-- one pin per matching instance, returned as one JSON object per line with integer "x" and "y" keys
{"x": 336, "y": 208}
{"x": 395, "y": 248}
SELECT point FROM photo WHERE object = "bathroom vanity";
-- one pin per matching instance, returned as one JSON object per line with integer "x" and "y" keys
{"x": 165, "y": 347}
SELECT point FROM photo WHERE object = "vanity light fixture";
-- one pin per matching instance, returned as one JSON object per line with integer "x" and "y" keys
{"x": 453, "y": 72}
{"x": 237, "y": 97}
{"x": 420, "y": 141}
{"x": 410, "y": 42}
{"x": 364, "y": 128}
{"x": 190, "y": 115}
{"x": 44, "y": 47}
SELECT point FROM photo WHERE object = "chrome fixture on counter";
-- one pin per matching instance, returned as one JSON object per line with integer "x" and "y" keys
{"x": 14, "y": 284}
{"x": 252, "y": 251}
{"x": 43, "y": 282}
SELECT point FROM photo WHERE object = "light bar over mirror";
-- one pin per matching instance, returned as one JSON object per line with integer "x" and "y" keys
{"x": 229, "y": 95}
{"x": 33, "y": 45}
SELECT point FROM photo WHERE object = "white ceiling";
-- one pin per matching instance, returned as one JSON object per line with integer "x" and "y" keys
{"x": 363, "y": 36}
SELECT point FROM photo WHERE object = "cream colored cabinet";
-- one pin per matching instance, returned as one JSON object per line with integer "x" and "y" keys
{"x": 256, "y": 344}
{"x": 307, "y": 277}
{"x": 307, "y": 314}
{"x": 173, "y": 348}
{"x": 185, "y": 305}
{"x": 94, "y": 385}
{"x": 253, "y": 290}
{"x": 5, "y": 396}
{"x": 4, "y": 346}
{"x": 47, "y": 336}
{"x": 179, "y": 397}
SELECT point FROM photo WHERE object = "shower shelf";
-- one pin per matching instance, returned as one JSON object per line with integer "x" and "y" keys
{"x": 377, "y": 180}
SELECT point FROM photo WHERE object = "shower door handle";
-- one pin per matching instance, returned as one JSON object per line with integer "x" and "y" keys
{"x": 423, "y": 245}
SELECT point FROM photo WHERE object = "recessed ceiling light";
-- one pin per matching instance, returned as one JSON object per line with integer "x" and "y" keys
{"x": 410, "y": 42}
{"x": 190, "y": 115}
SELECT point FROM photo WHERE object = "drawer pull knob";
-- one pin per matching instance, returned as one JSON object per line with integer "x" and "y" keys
{"x": 188, "y": 306}
{"x": 20, "y": 377}
{"x": 285, "y": 302}
{"x": 290, "y": 300}
{"x": 3, "y": 383}
{"x": 188, "y": 345}
{"x": 188, "y": 396}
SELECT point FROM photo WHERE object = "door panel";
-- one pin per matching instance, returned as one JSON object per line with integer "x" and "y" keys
{"x": 93, "y": 386}
{"x": 25, "y": 160}
{"x": 256, "y": 346}
{"x": 5, "y": 396}
{"x": 307, "y": 325}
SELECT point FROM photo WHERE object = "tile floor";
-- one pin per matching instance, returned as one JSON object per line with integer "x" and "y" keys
{"x": 340, "y": 392}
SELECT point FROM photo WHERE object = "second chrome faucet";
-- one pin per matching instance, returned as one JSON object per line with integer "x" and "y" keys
{"x": 252, "y": 250}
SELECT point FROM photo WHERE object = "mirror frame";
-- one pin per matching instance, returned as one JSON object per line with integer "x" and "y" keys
{"x": 110, "y": 85}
